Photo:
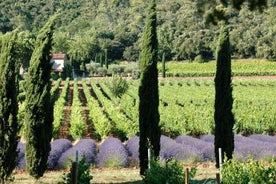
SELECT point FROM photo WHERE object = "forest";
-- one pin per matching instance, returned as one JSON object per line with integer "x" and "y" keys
{"x": 86, "y": 29}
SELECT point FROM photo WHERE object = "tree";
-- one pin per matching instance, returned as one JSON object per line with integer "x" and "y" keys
{"x": 224, "y": 118}
{"x": 39, "y": 108}
{"x": 163, "y": 65}
{"x": 148, "y": 91}
{"x": 215, "y": 14}
{"x": 9, "y": 127}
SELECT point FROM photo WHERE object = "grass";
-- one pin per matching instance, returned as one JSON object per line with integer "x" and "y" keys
{"x": 206, "y": 173}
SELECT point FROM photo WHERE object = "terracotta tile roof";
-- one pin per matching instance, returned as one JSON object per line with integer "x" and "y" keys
{"x": 58, "y": 56}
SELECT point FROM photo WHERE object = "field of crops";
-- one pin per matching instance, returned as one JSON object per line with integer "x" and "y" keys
{"x": 239, "y": 68}
{"x": 113, "y": 153}
{"x": 105, "y": 127}
{"x": 87, "y": 108}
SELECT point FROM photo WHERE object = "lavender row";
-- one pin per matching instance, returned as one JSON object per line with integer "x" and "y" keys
{"x": 190, "y": 149}
{"x": 113, "y": 153}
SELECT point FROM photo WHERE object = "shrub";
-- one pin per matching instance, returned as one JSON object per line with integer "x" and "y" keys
{"x": 85, "y": 147}
{"x": 21, "y": 162}
{"x": 132, "y": 146}
{"x": 102, "y": 71}
{"x": 84, "y": 176}
{"x": 58, "y": 147}
{"x": 252, "y": 171}
{"x": 205, "y": 149}
{"x": 246, "y": 147}
{"x": 115, "y": 69}
{"x": 261, "y": 137}
{"x": 112, "y": 153}
{"x": 162, "y": 172}
{"x": 118, "y": 86}
{"x": 170, "y": 149}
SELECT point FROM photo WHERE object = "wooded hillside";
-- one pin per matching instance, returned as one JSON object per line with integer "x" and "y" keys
{"x": 87, "y": 28}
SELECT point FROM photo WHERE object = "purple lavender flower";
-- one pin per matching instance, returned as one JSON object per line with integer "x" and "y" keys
{"x": 132, "y": 145}
{"x": 208, "y": 138}
{"x": 247, "y": 147}
{"x": 205, "y": 149}
{"x": 21, "y": 162}
{"x": 85, "y": 147}
{"x": 261, "y": 137}
{"x": 58, "y": 147}
{"x": 112, "y": 153}
{"x": 171, "y": 149}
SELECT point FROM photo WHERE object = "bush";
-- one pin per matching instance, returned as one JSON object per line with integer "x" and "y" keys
{"x": 170, "y": 149}
{"x": 84, "y": 176}
{"x": 85, "y": 147}
{"x": 112, "y": 153}
{"x": 252, "y": 171}
{"x": 161, "y": 172}
{"x": 118, "y": 86}
{"x": 58, "y": 147}
{"x": 21, "y": 162}
{"x": 132, "y": 146}
{"x": 115, "y": 69}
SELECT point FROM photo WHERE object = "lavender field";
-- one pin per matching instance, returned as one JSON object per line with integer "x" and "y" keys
{"x": 113, "y": 153}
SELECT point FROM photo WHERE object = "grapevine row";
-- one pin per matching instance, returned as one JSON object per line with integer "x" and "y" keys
{"x": 77, "y": 123}
{"x": 122, "y": 123}
{"x": 59, "y": 108}
{"x": 101, "y": 123}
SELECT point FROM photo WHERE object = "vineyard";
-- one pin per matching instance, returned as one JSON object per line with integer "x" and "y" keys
{"x": 88, "y": 109}
{"x": 89, "y": 119}
{"x": 239, "y": 68}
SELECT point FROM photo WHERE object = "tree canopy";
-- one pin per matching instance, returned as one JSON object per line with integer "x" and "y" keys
{"x": 117, "y": 25}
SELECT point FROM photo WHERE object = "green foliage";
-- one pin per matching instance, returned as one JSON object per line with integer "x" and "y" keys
{"x": 118, "y": 86}
{"x": 162, "y": 172}
{"x": 181, "y": 29}
{"x": 223, "y": 116}
{"x": 9, "y": 126}
{"x": 163, "y": 66}
{"x": 101, "y": 123}
{"x": 39, "y": 107}
{"x": 252, "y": 171}
{"x": 247, "y": 67}
{"x": 77, "y": 124}
{"x": 148, "y": 90}
{"x": 84, "y": 176}
{"x": 59, "y": 109}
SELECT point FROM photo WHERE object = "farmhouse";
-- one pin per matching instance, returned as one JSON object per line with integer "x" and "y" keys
{"x": 59, "y": 61}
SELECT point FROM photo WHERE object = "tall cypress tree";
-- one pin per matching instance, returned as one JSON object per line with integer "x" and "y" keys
{"x": 224, "y": 118}
{"x": 163, "y": 65}
{"x": 39, "y": 109}
{"x": 8, "y": 106}
{"x": 148, "y": 91}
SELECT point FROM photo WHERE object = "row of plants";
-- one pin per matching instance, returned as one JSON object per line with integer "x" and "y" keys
{"x": 126, "y": 103}
{"x": 101, "y": 123}
{"x": 123, "y": 125}
{"x": 186, "y": 149}
{"x": 55, "y": 89}
{"x": 77, "y": 123}
{"x": 187, "y": 105}
{"x": 239, "y": 68}
{"x": 59, "y": 108}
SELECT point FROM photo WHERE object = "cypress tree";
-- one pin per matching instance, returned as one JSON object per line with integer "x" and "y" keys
{"x": 148, "y": 91}
{"x": 163, "y": 65}
{"x": 39, "y": 108}
{"x": 224, "y": 118}
{"x": 8, "y": 106}
{"x": 106, "y": 58}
